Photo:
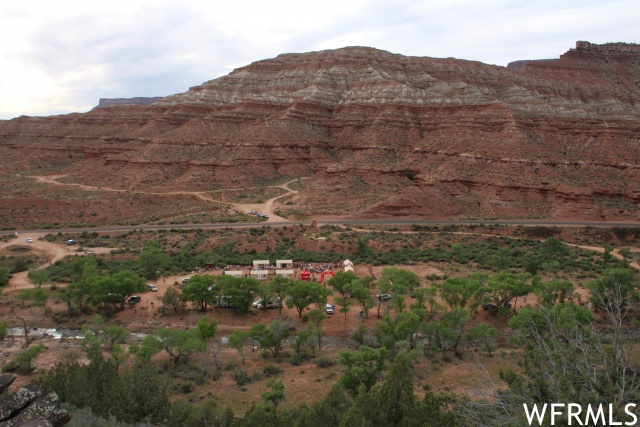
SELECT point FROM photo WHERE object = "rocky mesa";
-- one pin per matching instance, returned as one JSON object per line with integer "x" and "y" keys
{"x": 378, "y": 134}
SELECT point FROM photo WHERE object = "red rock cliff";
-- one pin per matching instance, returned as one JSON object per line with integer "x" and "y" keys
{"x": 379, "y": 133}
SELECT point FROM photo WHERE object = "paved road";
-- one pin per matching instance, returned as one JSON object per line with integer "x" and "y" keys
{"x": 332, "y": 222}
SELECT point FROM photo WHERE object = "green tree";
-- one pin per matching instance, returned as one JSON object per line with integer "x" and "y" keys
{"x": 24, "y": 296}
{"x": 315, "y": 325}
{"x": 486, "y": 335}
{"x": 199, "y": 291}
{"x": 363, "y": 368}
{"x": 178, "y": 344}
{"x": 131, "y": 396}
{"x": 300, "y": 340}
{"x": 451, "y": 328}
{"x": 564, "y": 359}
{"x": 172, "y": 302}
{"x": 360, "y": 293}
{"x": 115, "y": 289}
{"x": 4, "y": 329}
{"x": 504, "y": 287}
{"x": 341, "y": 281}
{"x": 328, "y": 412}
{"x": 394, "y": 402}
{"x": 344, "y": 305}
{"x": 80, "y": 289}
{"x": 275, "y": 396}
{"x": 400, "y": 280}
{"x": 556, "y": 291}
{"x": 39, "y": 276}
{"x": 403, "y": 327}
{"x": 616, "y": 287}
{"x": 152, "y": 260}
{"x": 207, "y": 329}
{"x": 98, "y": 338}
{"x": 236, "y": 341}
{"x": 271, "y": 337}
{"x": 39, "y": 299}
{"x": 207, "y": 413}
{"x": 302, "y": 294}
{"x": 242, "y": 293}
{"x": 459, "y": 292}
{"x": 4, "y": 276}
{"x": 22, "y": 361}
{"x": 279, "y": 286}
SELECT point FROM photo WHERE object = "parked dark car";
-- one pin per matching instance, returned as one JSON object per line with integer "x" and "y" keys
{"x": 134, "y": 300}
{"x": 384, "y": 297}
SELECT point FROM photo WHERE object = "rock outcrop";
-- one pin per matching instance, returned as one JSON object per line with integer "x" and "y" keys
{"x": 380, "y": 134}
{"x": 29, "y": 407}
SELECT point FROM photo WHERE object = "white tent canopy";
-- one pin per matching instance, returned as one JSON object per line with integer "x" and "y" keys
{"x": 348, "y": 262}
{"x": 260, "y": 263}
{"x": 349, "y": 268}
{"x": 260, "y": 274}
{"x": 284, "y": 273}
{"x": 284, "y": 263}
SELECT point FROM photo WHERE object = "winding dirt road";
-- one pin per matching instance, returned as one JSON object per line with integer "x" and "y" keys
{"x": 52, "y": 252}
{"x": 265, "y": 208}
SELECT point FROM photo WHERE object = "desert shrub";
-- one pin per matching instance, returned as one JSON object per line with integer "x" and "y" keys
{"x": 324, "y": 362}
{"x": 272, "y": 370}
{"x": 187, "y": 387}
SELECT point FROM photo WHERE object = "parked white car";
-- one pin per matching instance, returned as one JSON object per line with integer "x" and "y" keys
{"x": 330, "y": 308}
{"x": 29, "y": 240}
{"x": 152, "y": 287}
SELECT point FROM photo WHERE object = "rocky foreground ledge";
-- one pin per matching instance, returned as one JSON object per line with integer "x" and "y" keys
{"x": 28, "y": 407}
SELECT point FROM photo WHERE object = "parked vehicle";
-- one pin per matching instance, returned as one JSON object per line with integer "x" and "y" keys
{"x": 29, "y": 240}
{"x": 384, "y": 297}
{"x": 71, "y": 242}
{"x": 185, "y": 280}
{"x": 252, "y": 212}
{"x": 330, "y": 308}
{"x": 492, "y": 307}
{"x": 271, "y": 303}
{"x": 225, "y": 302}
{"x": 152, "y": 287}
{"x": 134, "y": 300}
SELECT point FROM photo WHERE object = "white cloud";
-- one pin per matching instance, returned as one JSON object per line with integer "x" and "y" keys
{"x": 63, "y": 56}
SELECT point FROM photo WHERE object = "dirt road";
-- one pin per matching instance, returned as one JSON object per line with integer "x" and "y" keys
{"x": 265, "y": 208}
{"x": 50, "y": 251}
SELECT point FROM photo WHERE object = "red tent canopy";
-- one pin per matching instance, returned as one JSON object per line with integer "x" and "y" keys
{"x": 305, "y": 275}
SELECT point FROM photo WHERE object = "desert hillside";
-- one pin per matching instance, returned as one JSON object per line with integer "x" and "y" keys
{"x": 377, "y": 134}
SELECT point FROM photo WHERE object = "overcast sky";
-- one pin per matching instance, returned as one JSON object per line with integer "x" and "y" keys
{"x": 62, "y": 56}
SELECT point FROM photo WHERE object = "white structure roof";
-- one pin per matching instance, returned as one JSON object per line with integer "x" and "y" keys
{"x": 349, "y": 268}
{"x": 348, "y": 262}
{"x": 234, "y": 273}
{"x": 259, "y": 272}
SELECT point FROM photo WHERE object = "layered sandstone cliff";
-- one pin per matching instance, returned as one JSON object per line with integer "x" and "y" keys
{"x": 379, "y": 134}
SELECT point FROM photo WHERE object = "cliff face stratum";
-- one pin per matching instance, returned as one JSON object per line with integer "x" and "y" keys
{"x": 379, "y": 134}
